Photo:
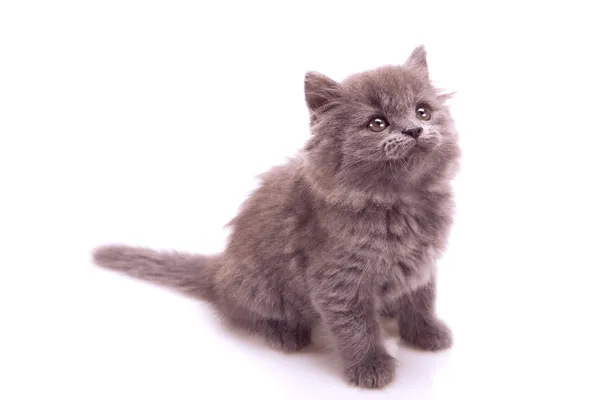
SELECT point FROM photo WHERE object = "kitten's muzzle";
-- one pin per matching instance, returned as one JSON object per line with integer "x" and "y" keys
{"x": 395, "y": 146}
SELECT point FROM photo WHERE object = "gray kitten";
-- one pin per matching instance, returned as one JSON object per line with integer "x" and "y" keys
{"x": 348, "y": 230}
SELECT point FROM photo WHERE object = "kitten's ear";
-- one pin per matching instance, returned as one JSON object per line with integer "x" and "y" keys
{"x": 319, "y": 90}
{"x": 418, "y": 61}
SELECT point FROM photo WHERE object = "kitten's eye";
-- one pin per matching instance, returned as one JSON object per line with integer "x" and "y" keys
{"x": 423, "y": 112}
{"x": 378, "y": 124}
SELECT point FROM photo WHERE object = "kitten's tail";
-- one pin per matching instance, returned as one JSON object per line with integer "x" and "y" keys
{"x": 187, "y": 273}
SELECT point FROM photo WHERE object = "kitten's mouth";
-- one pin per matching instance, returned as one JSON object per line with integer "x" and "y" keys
{"x": 422, "y": 146}
{"x": 396, "y": 148}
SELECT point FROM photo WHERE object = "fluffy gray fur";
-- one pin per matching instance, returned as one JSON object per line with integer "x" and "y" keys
{"x": 347, "y": 230}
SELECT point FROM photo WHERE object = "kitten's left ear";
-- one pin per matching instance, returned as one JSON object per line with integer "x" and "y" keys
{"x": 319, "y": 90}
{"x": 418, "y": 61}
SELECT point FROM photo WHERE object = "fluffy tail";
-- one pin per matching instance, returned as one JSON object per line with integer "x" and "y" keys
{"x": 187, "y": 273}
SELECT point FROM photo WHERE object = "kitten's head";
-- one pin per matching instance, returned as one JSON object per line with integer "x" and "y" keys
{"x": 379, "y": 126}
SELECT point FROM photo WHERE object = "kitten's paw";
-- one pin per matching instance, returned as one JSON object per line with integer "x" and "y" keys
{"x": 295, "y": 340}
{"x": 287, "y": 338}
{"x": 429, "y": 335}
{"x": 376, "y": 371}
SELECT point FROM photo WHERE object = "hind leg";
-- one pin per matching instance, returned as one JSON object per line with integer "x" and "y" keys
{"x": 284, "y": 331}
{"x": 256, "y": 305}
{"x": 283, "y": 335}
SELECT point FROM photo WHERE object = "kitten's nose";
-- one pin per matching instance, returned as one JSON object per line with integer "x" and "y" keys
{"x": 413, "y": 132}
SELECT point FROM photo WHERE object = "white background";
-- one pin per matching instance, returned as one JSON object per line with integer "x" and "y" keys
{"x": 146, "y": 122}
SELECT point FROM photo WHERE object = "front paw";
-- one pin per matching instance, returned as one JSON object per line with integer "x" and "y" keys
{"x": 375, "y": 371}
{"x": 428, "y": 335}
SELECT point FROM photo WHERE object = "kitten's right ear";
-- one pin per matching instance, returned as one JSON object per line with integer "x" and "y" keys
{"x": 319, "y": 90}
{"x": 418, "y": 61}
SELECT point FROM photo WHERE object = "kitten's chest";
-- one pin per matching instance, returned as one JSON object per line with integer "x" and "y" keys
{"x": 404, "y": 253}
{"x": 395, "y": 233}
{"x": 398, "y": 244}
